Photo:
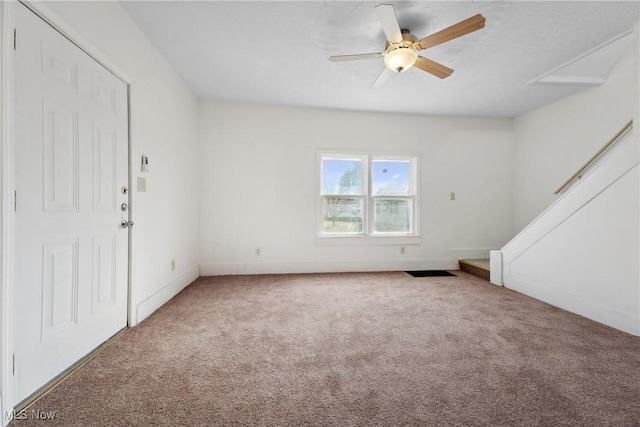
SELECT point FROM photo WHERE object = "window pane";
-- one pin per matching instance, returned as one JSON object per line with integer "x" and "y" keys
{"x": 391, "y": 216}
{"x": 341, "y": 215}
{"x": 391, "y": 178}
{"x": 341, "y": 176}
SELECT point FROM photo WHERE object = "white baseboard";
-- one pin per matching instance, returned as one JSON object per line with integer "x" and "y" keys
{"x": 223, "y": 269}
{"x": 145, "y": 308}
{"x": 594, "y": 310}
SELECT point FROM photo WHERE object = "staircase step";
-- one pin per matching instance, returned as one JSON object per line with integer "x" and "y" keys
{"x": 477, "y": 267}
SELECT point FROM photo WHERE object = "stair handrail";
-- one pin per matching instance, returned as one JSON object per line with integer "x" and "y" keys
{"x": 604, "y": 148}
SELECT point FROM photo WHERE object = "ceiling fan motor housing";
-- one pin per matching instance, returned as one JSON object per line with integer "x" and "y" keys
{"x": 400, "y": 56}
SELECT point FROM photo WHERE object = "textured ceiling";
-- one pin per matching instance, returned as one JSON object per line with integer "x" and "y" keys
{"x": 276, "y": 52}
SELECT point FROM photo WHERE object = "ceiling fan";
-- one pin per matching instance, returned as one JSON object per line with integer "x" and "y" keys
{"x": 401, "y": 50}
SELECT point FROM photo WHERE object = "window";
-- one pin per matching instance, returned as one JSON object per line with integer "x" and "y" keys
{"x": 343, "y": 194}
{"x": 392, "y": 195}
{"x": 368, "y": 195}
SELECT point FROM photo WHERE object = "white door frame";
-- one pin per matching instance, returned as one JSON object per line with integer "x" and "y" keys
{"x": 7, "y": 180}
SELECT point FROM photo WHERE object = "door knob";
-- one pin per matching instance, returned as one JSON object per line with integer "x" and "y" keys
{"x": 126, "y": 224}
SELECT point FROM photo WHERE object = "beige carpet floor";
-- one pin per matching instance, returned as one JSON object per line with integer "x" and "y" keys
{"x": 359, "y": 349}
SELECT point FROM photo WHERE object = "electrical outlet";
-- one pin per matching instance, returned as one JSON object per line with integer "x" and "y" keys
{"x": 403, "y": 250}
{"x": 173, "y": 264}
{"x": 258, "y": 253}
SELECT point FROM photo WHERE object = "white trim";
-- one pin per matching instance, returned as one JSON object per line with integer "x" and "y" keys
{"x": 636, "y": 107}
{"x": 363, "y": 195}
{"x": 43, "y": 11}
{"x": 361, "y": 240}
{"x": 591, "y": 309}
{"x": 164, "y": 294}
{"x": 132, "y": 319}
{"x": 7, "y": 14}
{"x": 413, "y": 195}
{"x": 286, "y": 267}
{"x": 368, "y": 236}
{"x": 8, "y": 10}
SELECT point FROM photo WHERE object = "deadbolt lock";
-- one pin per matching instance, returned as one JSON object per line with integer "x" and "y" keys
{"x": 124, "y": 190}
{"x": 123, "y": 207}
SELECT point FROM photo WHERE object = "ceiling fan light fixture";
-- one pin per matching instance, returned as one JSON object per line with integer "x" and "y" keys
{"x": 400, "y": 59}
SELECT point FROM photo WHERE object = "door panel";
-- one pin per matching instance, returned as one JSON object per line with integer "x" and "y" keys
{"x": 60, "y": 180}
{"x": 104, "y": 273}
{"x": 104, "y": 169}
{"x": 71, "y": 160}
{"x": 59, "y": 287}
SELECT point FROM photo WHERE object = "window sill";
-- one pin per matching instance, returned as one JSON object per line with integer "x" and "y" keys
{"x": 357, "y": 240}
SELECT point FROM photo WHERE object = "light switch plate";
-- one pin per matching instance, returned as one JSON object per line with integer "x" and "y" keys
{"x": 142, "y": 184}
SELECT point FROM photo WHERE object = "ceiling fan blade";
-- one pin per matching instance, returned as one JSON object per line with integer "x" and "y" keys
{"x": 389, "y": 22}
{"x": 342, "y": 58}
{"x": 433, "y": 67}
{"x": 383, "y": 77}
{"x": 453, "y": 32}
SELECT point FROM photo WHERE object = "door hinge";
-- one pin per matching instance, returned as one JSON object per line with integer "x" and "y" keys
{"x": 15, "y": 38}
{"x": 14, "y": 363}
{"x": 15, "y": 201}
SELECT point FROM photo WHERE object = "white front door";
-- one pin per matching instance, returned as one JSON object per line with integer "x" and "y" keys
{"x": 71, "y": 167}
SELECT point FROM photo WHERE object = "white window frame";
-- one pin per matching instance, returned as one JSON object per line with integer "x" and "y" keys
{"x": 368, "y": 235}
{"x": 412, "y": 197}
{"x": 363, "y": 196}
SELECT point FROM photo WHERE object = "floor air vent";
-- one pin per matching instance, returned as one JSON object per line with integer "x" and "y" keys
{"x": 429, "y": 273}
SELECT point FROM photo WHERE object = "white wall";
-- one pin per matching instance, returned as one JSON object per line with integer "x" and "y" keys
{"x": 552, "y": 142}
{"x": 259, "y": 187}
{"x": 582, "y": 252}
{"x": 164, "y": 126}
